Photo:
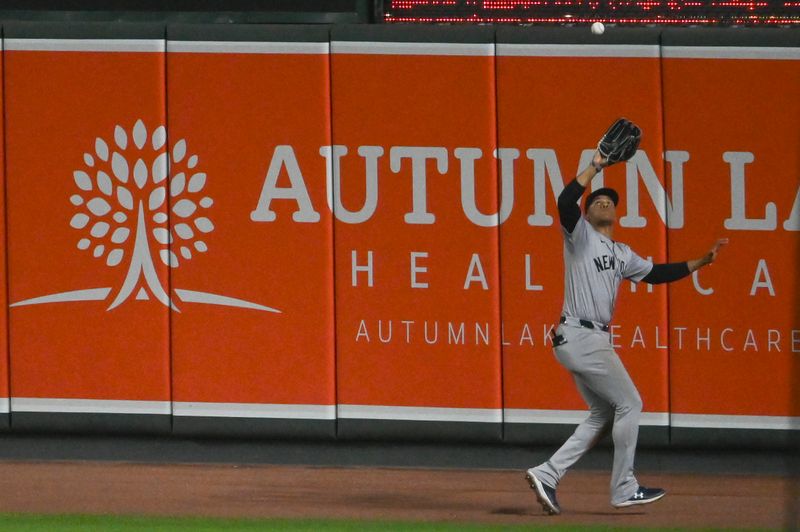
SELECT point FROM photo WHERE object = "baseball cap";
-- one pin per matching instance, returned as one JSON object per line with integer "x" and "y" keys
{"x": 605, "y": 191}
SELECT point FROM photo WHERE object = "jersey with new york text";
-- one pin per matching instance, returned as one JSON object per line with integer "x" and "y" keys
{"x": 594, "y": 267}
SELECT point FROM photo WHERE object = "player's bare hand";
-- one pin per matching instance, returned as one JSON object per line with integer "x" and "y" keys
{"x": 711, "y": 256}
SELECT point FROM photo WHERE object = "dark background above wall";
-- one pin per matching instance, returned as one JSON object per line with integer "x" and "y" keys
{"x": 194, "y": 11}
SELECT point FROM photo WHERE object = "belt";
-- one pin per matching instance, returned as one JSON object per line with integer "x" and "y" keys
{"x": 584, "y": 323}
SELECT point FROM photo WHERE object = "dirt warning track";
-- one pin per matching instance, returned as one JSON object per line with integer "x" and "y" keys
{"x": 479, "y": 496}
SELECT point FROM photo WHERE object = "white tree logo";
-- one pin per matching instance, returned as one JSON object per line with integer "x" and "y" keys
{"x": 123, "y": 193}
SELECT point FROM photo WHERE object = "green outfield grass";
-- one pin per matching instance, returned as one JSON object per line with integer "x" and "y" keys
{"x": 92, "y": 523}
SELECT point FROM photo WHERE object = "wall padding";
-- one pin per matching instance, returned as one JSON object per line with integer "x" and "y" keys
{"x": 731, "y": 107}
{"x": 89, "y": 322}
{"x": 417, "y": 271}
{"x": 252, "y": 331}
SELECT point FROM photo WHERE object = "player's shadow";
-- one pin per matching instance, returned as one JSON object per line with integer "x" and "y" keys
{"x": 512, "y": 511}
{"x": 614, "y": 513}
{"x": 528, "y": 511}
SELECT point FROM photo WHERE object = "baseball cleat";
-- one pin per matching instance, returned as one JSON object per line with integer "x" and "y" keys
{"x": 642, "y": 496}
{"x": 544, "y": 494}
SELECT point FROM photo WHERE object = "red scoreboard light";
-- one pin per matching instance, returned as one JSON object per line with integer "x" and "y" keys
{"x": 627, "y": 12}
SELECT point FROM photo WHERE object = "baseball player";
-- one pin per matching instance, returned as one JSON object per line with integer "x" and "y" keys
{"x": 595, "y": 265}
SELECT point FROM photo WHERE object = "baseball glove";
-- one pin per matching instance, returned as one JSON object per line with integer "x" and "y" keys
{"x": 620, "y": 141}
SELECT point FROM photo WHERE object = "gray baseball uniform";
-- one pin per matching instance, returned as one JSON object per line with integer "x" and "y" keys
{"x": 594, "y": 267}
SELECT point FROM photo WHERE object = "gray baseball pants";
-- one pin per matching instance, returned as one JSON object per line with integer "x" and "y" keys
{"x": 613, "y": 401}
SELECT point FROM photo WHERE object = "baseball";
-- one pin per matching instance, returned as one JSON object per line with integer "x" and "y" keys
{"x": 598, "y": 28}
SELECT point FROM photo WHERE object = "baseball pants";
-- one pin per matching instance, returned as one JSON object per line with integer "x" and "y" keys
{"x": 613, "y": 401}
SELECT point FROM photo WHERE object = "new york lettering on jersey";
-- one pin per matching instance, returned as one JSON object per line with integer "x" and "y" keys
{"x": 608, "y": 262}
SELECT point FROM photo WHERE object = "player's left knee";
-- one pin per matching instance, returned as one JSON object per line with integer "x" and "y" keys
{"x": 632, "y": 405}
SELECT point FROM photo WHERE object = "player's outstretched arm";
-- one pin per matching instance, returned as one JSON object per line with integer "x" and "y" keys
{"x": 666, "y": 273}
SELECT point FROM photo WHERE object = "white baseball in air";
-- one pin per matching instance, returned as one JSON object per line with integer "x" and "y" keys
{"x": 598, "y": 28}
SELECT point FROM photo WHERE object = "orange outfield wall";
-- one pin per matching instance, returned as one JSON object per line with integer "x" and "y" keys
{"x": 270, "y": 354}
{"x": 336, "y": 242}
{"x": 62, "y": 111}
{"x": 435, "y": 273}
{"x": 4, "y": 390}
{"x": 738, "y": 354}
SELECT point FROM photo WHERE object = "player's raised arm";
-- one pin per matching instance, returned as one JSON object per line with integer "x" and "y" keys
{"x": 619, "y": 143}
{"x": 568, "y": 211}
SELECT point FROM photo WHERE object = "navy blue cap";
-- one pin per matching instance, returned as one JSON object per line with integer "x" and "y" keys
{"x": 605, "y": 191}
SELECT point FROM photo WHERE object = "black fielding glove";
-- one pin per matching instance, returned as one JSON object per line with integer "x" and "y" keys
{"x": 620, "y": 142}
